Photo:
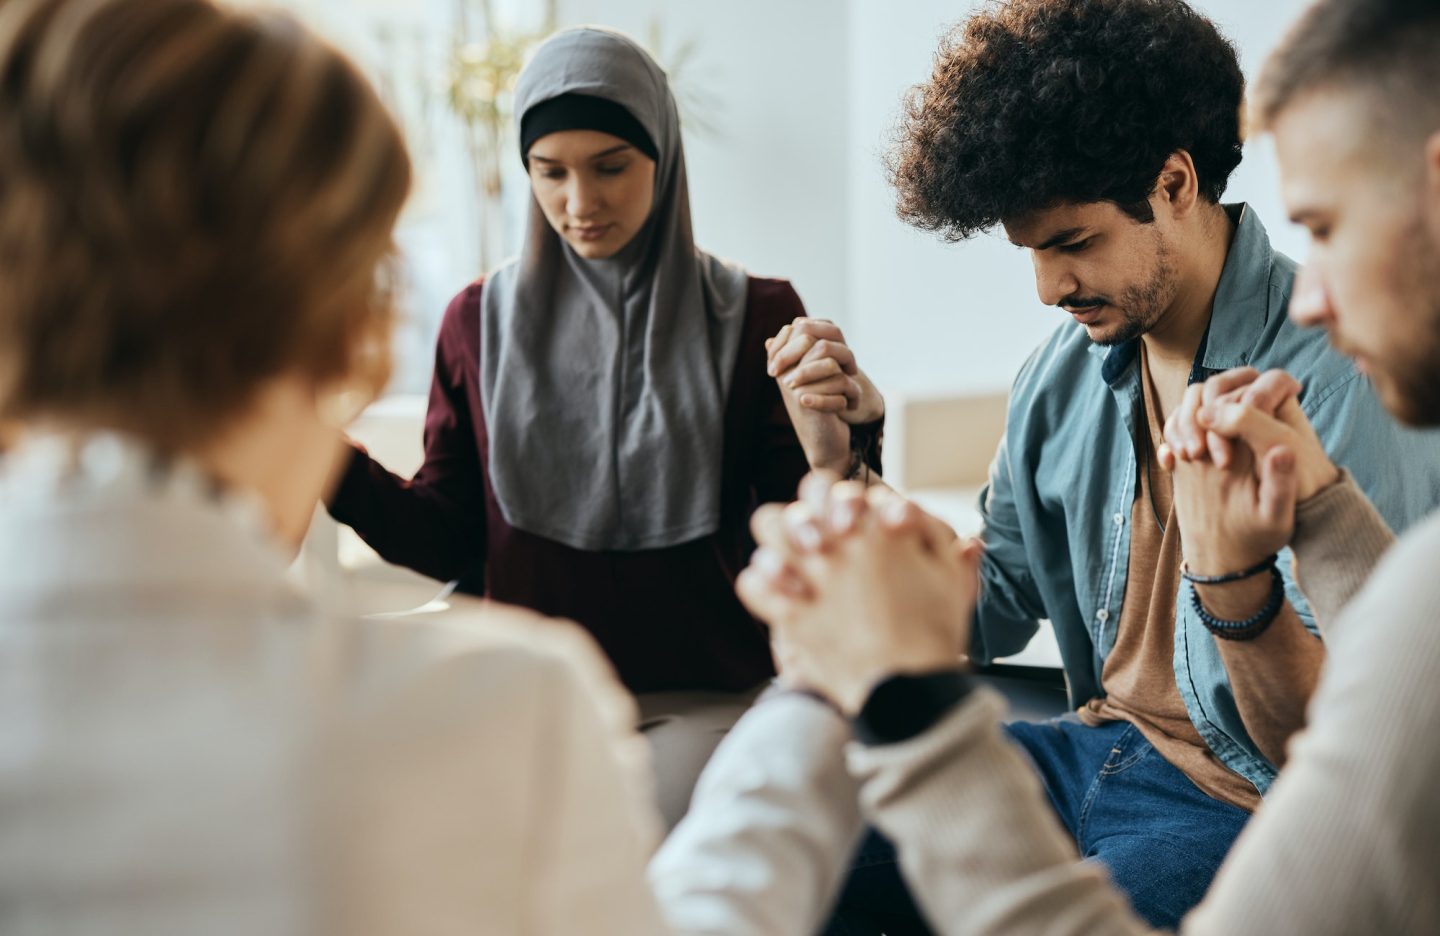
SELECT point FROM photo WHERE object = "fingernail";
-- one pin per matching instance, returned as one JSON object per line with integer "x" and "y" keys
{"x": 808, "y": 537}
{"x": 845, "y": 516}
{"x": 768, "y": 562}
{"x": 896, "y": 512}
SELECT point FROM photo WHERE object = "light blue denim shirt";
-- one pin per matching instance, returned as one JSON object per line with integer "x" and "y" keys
{"x": 1057, "y": 505}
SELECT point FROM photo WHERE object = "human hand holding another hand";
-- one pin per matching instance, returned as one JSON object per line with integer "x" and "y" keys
{"x": 1243, "y": 457}
{"x": 824, "y": 390}
{"x": 858, "y": 586}
{"x": 1233, "y": 517}
{"x": 1261, "y": 411}
{"x": 811, "y": 359}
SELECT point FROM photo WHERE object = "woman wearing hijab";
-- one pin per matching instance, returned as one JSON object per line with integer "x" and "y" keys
{"x": 601, "y": 424}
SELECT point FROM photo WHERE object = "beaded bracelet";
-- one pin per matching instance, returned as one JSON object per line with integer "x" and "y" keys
{"x": 1228, "y": 577}
{"x": 1251, "y": 627}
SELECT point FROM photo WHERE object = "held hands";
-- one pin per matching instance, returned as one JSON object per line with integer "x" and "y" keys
{"x": 1243, "y": 456}
{"x": 859, "y": 586}
{"x": 824, "y": 390}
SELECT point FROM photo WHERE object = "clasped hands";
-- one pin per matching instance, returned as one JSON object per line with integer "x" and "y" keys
{"x": 824, "y": 390}
{"x": 861, "y": 585}
{"x": 1243, "y": 456}
{"x": 858, "y": 585}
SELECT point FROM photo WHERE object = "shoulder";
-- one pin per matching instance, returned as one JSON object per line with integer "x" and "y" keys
{"x": 1064, "y": 369}
{"x": 482, "y": 668}
{"x": 459, "y": 333}
{"x": 464, "y": 307}
{"x": 1406, "y": 583}
{"x": 1386, "y": 636}
{"x": 468, "y": 728}
{"x": 771, "y": 303}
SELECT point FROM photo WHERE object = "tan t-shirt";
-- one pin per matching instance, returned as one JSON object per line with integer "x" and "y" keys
{"x": 1139, "y": 674}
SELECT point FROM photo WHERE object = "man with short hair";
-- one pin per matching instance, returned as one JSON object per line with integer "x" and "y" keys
{"x": 1101, "y": 136}
{"x": 1347, "y": 840}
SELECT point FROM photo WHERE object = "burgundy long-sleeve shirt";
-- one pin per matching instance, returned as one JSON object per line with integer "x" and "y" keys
{"x": 667, "y": 618}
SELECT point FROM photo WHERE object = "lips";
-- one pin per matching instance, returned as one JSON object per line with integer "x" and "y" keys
{"x": 1086, "y": 315}
{"x": 592, "y": 232}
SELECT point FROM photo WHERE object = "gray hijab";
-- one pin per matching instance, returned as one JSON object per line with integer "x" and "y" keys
{"x": 604, "y": 381}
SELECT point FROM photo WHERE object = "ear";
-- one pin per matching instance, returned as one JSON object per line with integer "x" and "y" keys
{"x": 1178, "y": 185}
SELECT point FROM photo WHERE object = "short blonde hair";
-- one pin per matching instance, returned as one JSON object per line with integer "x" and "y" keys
{"x": 193, "y": 200}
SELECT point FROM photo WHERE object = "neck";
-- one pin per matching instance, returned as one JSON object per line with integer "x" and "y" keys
{"x": 1172, "y": 343}
{"x": 278, "y": 450}
{"x": 281, "y": 452}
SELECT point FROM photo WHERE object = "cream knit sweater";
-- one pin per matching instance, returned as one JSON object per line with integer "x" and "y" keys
{"x": 1347, "y": 841}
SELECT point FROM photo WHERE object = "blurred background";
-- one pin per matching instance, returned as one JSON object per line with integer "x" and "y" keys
{"x": 788, "y": 106}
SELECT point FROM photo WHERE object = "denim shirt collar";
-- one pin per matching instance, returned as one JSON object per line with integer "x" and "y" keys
{"x": 1240, "y": 311}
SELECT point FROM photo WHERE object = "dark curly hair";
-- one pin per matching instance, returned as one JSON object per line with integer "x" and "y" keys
{"x": 1038, "y": 102}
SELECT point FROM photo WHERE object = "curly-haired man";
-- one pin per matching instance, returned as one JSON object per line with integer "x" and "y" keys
{"x": 1100, "y": 134}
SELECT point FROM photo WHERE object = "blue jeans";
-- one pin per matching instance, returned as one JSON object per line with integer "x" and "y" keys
{"x": 1159, "y": 836}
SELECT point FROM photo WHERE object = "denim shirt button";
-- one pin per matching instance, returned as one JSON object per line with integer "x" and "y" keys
{"x": 1119, "y": 519}
{"x": 1102, "y": 615}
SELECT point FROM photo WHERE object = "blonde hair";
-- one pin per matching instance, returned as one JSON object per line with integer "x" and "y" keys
{"x": 193, "y": 200}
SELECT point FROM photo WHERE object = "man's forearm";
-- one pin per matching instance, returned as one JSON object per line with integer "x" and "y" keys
{"x": 1274, "y": 675}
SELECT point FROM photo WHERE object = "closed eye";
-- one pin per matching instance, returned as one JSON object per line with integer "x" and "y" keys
{"x": 1077, "y": 247}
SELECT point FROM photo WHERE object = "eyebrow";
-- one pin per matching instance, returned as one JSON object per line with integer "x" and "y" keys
{"x": 601, "y": 155}
{"x": 1058, "y": 238}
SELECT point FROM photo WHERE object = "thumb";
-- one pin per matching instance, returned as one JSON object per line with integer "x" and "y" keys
{"x": 1279, "y": 487}
{"x": 968, "y": 553}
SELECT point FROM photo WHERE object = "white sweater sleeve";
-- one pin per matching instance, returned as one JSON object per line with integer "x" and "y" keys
{"x": 771, "y": 830}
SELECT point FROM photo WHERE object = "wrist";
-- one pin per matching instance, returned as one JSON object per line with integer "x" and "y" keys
{"x": 1236, "y": 601}
{"x": 903, "y": 707}
{"x": 837, "y": 464}
{"x": 1322, "y": 477}
{"x": 1207, "y": 563}
{"x": 851, "y": 695}
{"x": 864, "y": 414}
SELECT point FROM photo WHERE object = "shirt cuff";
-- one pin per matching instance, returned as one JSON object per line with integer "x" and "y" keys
{"x": 904, "y": 706}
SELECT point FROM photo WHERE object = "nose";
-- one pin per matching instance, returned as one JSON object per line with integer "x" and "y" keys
{"x": 1053, "y": 279}
{"x": 582, "y": 198}
{"x": 1310, "y": 298}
